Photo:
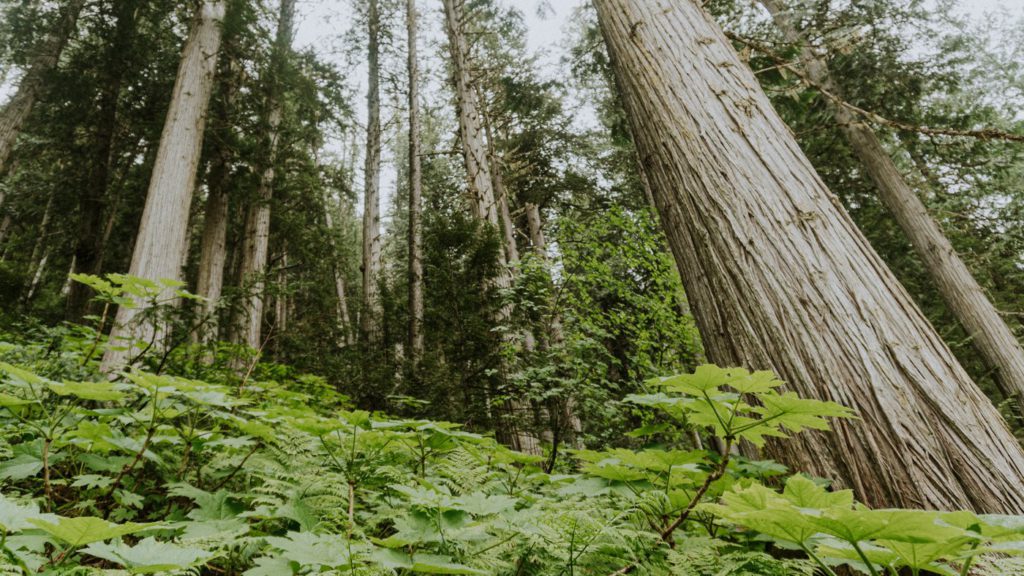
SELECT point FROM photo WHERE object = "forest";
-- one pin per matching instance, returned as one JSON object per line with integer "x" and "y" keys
{"x": 512, "y": 287}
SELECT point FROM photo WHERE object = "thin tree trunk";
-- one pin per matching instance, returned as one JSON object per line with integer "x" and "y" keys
{"x": 482, "y": 199}
{"x": 93, "y": 200}
{"x": 213, "y": 243}
{"x": 14, "y": 113}
{"x": 40, "y": 250}
{"x": 415, "y": 343}
{"x": 780, "y": 278}
{"x": 344, "y": 320}
{"x": 163, "y": 232}
{"x": 370, "y": 314}
{"x": 257, "y": 223}
{"x": 991, "y": 337}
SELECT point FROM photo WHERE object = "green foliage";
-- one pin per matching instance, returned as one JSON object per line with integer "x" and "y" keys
{"x": 162, "y": 474}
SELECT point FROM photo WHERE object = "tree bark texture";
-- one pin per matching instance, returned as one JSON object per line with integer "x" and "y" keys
{"x": 780, "y": 278}
{"x": 17, "y": 109}
{"x": 482, "y": 201}
{"x": 370, "y": 314}
{"x": 213, "y": 242}
{"x": 415, "y": 343}
{"x": 990, "y": 335}
{"x": 163, "y": 231}
{"x": 257, "y": 222}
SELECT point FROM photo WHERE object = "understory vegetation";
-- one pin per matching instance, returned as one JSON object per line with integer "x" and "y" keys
{"x": 275, "y": 473}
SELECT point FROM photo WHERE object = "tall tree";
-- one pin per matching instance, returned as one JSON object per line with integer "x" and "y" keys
{"x": 14, "y": 113}
{"x": 163, "y": 231}
{"x": 257, "y": 222}
{"x": 93, "y": 200}
{"x": 415, "y": 343}
{"x": 369, "y": 319}
{"x": 482, "y": 200}
{"x": 780, "y": 278}
{"x": 989, "y": 333}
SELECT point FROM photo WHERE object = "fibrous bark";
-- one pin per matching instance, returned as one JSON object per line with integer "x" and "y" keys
{"x": 163, "y": 231}
{"x": 482, "y": 199}
{"x": 370, "y": 315}
{"x": 991, "y": 337}
{"x": 415, "y": 343}
{"x": 780, "y": 278}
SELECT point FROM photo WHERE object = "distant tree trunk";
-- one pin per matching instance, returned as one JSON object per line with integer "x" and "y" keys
{"x": 162, "y": 237}
{"x": 344, "y": 320}
{"x": 482, "y": 198}
{"x": 990, "y": 335}
{"x": 40, "y": 250}
{"x": 780, "y": 278}
{"x": 415, "y": 343}
{"x": 93, "y": 199}
{"x": 257, "y": 222}
{"x": 14, "y": 113}
{"x": 213, "y": 243}
{"x": 370, "y": 313}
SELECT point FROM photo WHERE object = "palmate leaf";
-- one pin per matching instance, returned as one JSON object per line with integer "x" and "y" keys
{"x": 99, "y": 391}
{"x": 308, "y": 549}
{"x": 149, "y": 556}
{"x": 86, "y": 529}
{"x": 16, "y": 517}
{"x": 803, "y": 492}
{"x": 858, "y": 525}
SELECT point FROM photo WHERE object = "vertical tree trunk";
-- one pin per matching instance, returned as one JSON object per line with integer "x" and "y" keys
{"x": 991, "y": 337}
{"x": 780, "y": 278}
{"x": 213, "y": 243}
{"x": 40, "y": 250}
{"x": 14, "y": 113}
{"x": 482, "y": 199}
{"x": 257, "y": 222}
{"x": 370, "y": 314}
{"x": 93, "y": 200}
{"x": 415, "y": 343}
{"x": 344, "y": 320}
{"x": 162, "y": 237}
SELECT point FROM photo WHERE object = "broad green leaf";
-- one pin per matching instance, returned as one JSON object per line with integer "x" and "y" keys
{"x": 16, "y": 517}
{"x": 270, "y": 566}
{"x": 434, "y": 564}
{"x": 149, "y": 556}
{"x": 8, "y": 401}
{"x": 87, "y": 529}
{"x": 308, "y": 549}
{"x": 802, "y": 492}
{"x": 99, "y": 391}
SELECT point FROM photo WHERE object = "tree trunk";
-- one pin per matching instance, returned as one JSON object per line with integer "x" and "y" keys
{"x": 370, "y": 314}
{"x": 213, "y": 243}
{"x": 482, "y": 199}
{"x": 415, "y": 343}
{"x": 991, "y": 337}
{"x": 163, "y": 231}
{"x": 257, "y": 222}
{"x": 20, "y": 105}
{"x": 93, "y": 199}
{"x": 40, "y": 250}
{"x": 780, "y": 278}
{"x": 344, "y": 320}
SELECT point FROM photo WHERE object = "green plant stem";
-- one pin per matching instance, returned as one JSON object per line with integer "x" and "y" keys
{"x": 864, "y": 558}
{"x": 99, "y": 334}
{"x": 828, "y": 571}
